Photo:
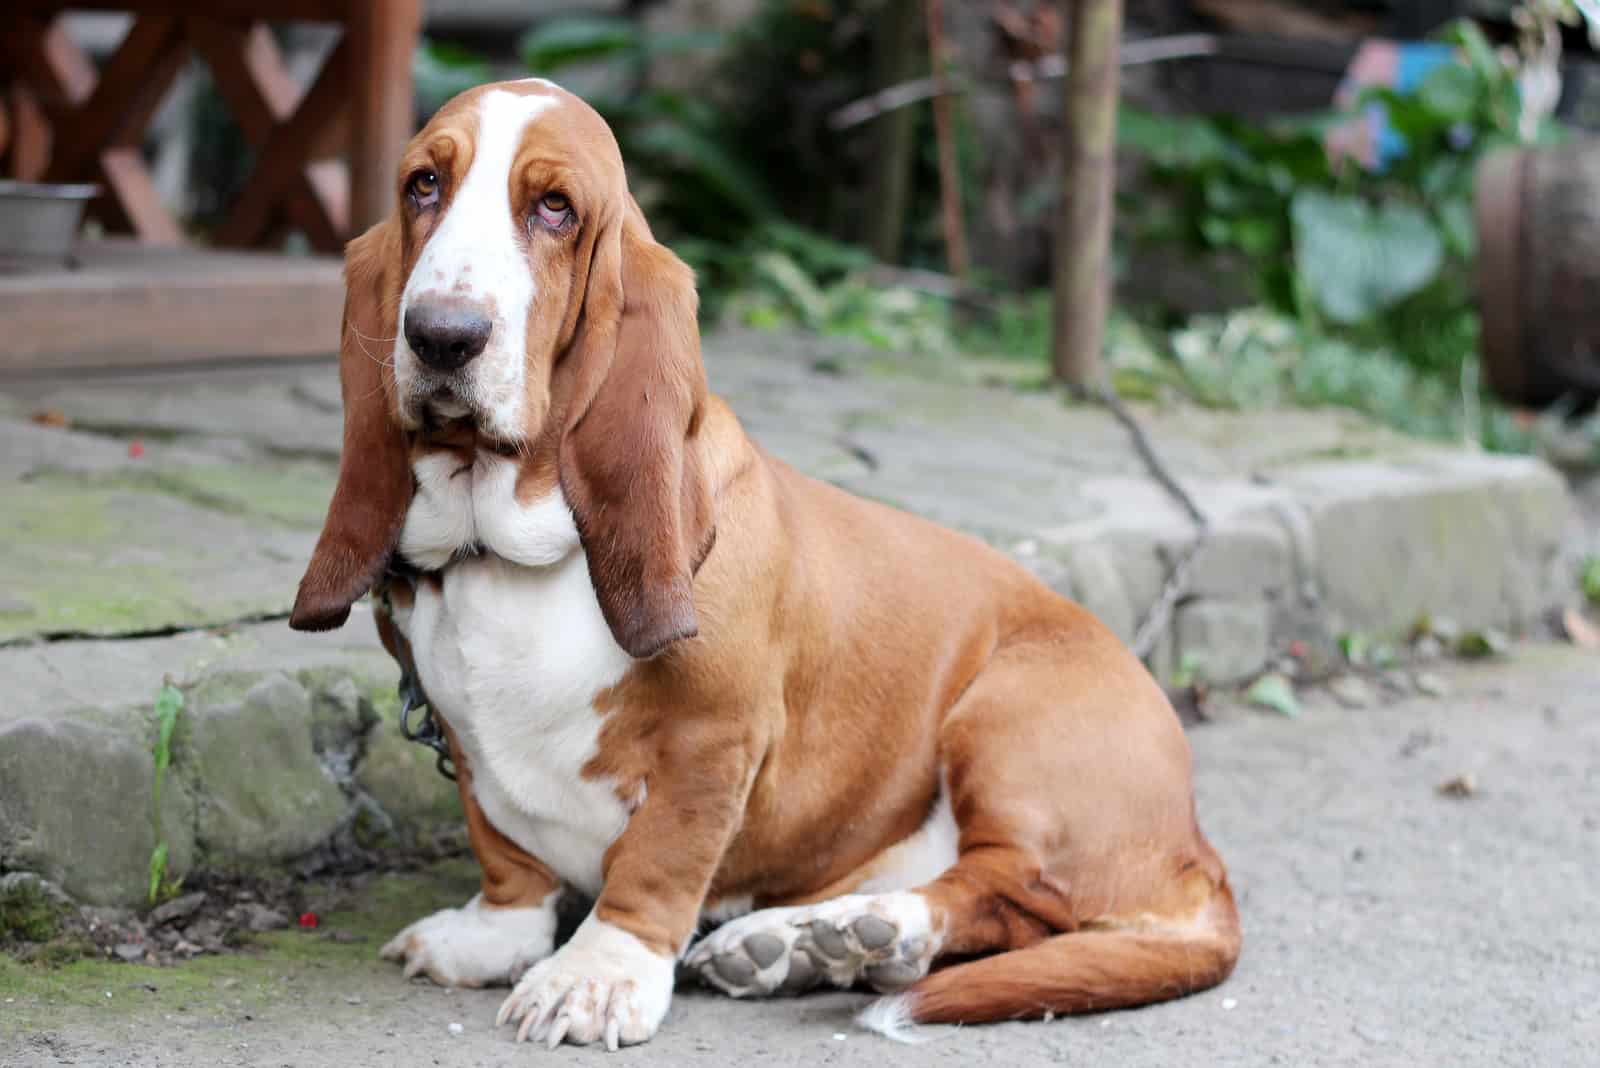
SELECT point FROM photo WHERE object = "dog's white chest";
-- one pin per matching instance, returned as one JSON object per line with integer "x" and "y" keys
{"x": 511, "y": 649}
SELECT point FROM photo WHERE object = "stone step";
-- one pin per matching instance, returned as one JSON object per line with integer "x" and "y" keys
{"x": 162, "y": 531}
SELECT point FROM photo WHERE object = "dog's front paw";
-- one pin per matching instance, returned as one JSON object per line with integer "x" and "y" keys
{"x": 603, "y": 985}
{"x": 475, "y": 945}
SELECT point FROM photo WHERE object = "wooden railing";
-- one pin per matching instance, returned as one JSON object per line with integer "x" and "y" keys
{"x": 325, "y": 154}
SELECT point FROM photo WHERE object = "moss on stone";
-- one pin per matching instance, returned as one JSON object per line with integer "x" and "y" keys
{"x": 93, "y": 560}
{"x": 291, "y": 492}
{"x": 28, "y": 913}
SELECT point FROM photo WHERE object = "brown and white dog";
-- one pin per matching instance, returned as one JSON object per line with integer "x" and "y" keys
{"x": 698, "y": 686}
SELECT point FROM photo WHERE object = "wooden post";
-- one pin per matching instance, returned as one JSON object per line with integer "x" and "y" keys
{"x": 1083, "y": 231}
{"x": 383, "y": 36}
{"x": 895, "y": 55}
{"x": 954, "y": 224}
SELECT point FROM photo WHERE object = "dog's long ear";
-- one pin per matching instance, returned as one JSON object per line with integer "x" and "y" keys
{"x": 630, "y": 466}
{"x": 369, "y": 505}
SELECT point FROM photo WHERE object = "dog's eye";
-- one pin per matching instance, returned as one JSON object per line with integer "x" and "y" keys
{"x": 553, "y": 210}
{"x": 423, "y": 188}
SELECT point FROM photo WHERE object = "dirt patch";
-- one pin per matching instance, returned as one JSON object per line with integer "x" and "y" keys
{"x": 209, "y": 913}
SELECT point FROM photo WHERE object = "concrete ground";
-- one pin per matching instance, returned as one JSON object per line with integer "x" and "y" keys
{"x": 1386, "y": 924}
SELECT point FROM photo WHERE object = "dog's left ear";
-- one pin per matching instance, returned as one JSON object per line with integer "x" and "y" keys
{"x": 374, "y": 490}
{"x": 630, "y": 466}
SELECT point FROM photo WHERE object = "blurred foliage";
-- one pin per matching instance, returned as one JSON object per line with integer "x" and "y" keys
{"x": 742, "y": 173}
{"x": 1380, "y": 257}
{"x": 1262, "y": 358}
{"x": 1363, "y": 277}
{"x": 683, "y": 159}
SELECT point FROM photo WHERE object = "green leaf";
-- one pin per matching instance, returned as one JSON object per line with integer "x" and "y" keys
{"x": 1458, "y": 225}
{"x": 1275, "y": 692}
{"x": 442, "y": 70}
{"x": 1172, "y": 142}
{"x": 169, "y": 702}
{"x": 577, "y": 39}
{"x": 1591, "y": 579}
{"x": 1357, "y": 260}
{"x": 158, "y": 870}
{"x": 794, "y": 286}
{"x": 1480, "y": 644}
{"x": 1451, "y": 91}
{"x": 703, "y": 156}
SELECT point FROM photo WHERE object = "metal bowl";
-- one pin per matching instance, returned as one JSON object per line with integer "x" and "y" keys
{"x": 39, "y": 221}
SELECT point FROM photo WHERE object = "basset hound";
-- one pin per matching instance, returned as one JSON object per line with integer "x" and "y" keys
{"x": 689, "y": 682}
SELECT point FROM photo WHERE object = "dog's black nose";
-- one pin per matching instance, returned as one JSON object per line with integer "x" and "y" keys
{"x": 445, "y": 337}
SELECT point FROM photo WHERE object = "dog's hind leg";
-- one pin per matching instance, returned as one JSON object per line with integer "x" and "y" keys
{"x": 1081, "y": 867}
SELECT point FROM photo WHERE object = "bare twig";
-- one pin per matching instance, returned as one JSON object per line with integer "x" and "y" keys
{"x": 1159, "y": 615}
{"x": 1047, "y": 68}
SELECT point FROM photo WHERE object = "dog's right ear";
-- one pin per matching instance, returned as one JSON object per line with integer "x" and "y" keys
{"x": 374, "y": 491}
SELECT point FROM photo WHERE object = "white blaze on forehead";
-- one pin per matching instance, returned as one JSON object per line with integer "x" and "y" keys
{"x": 475, "y": 255}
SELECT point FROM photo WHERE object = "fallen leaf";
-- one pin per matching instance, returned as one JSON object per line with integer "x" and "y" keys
{"x": 1459, "y": 788}
{"x": 50, "y": 417}
{"x": 1275, "y": 692}
{"x": 1477, "y": 645}
{"x": 1580, "y": 631}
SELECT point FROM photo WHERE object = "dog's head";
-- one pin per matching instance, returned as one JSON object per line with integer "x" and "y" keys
{"x": 516, "y": 294}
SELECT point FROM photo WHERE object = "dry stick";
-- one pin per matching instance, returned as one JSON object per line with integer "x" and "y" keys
{"x": 1155, "y": 620}
{"x": 1132, "y": 54}
{"x": 955, "y": 234}
{"x": 1083, "y": 230}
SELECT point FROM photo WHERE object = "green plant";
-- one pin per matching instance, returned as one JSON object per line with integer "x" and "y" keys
{"x": 441, "y": 70}
{"x": 1590, "y": 580}
{"x": 1381, "y": 257}
{"x": 683, "y": 163}
{"x": 169, "y": 702}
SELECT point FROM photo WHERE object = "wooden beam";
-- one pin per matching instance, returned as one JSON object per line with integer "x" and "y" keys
{"x": 281, "y": 163}
{"x": 383, "y": 35}
{"x": 1083, "y": 231}
{"x": 246, "y": 10}
{"x": 132, "y": 305}
{"x": 132, "y": 201}
{"x": 127, "y": 94}
{"x": 30, "y": 135}
{"x": 282, "y": 124}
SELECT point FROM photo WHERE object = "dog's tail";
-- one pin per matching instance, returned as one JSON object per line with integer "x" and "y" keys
{"x": 1084, "y": 971}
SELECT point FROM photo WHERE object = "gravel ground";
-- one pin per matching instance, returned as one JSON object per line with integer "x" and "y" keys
{"x": 1386, "y": 923}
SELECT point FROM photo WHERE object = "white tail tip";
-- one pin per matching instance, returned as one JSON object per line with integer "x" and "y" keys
{"x": 892, "y": 1018}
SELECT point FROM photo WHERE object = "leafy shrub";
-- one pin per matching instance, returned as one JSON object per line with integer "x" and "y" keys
{"x": 1380, "y": 257}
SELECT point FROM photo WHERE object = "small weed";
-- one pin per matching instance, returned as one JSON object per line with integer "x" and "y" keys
{"x": 1591, "y": 580}
{"x": 1190, "y": 672}
{"x": 169, "y": 702}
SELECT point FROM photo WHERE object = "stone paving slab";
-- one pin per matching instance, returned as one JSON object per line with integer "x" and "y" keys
{"x": 182, "y": 508}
